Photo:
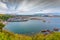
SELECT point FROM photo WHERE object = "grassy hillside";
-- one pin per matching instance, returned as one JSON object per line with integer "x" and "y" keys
{"x": 10, "y": 36}
{"x": 5, "y": 17}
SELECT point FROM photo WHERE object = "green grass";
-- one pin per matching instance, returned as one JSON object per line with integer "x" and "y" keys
{"x": 10, "y": 36}
{"x": 4, "y": 35}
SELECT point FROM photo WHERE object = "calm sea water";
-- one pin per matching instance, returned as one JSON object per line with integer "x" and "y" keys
{"x": 33, "y": 26}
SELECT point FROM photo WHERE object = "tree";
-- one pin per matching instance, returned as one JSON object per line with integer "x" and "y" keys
{"x": 1, "y": 26}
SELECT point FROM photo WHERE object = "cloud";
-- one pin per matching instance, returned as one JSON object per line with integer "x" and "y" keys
{"x": 2, "y": 5}
{"x": 51, "y": 10}
{"x": 30, "y": 6}
{"x": 3, "y": 8}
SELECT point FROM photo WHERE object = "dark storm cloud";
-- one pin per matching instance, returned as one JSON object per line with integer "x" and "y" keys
{"x": 30, "y": 1}
{"x": 35, "y": 2}
{"x": 35, "y": 5}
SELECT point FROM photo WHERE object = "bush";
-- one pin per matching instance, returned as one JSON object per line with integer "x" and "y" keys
{"x": 1, "y": 26}
{"x": 10, "y": 36}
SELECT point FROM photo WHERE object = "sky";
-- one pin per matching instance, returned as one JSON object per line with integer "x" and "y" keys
{"x": 28, "y": 7}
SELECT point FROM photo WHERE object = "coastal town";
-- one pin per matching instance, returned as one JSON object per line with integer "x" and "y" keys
{"x": 24, "y": 18}
{"x": 21, "y": 18}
